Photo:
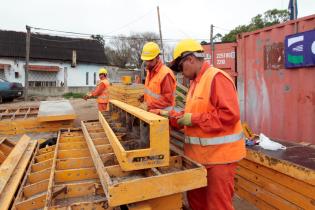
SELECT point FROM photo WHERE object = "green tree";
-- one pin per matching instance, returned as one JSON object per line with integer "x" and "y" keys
{"x": 269, "y": 18}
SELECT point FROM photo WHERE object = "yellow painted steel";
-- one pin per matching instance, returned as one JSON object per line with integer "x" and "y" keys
{"x": 159, "y": 150}
{"x": 298, "y": 172}
{"x": 125, "y": 187}
{"x": 171, "y": 202}
{"x": 8, "y": 193}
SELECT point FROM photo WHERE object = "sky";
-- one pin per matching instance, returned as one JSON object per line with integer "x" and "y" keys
{"x": 179, "y": 18}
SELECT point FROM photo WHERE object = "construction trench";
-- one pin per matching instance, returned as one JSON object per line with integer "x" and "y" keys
{"x": 120, "y": 159}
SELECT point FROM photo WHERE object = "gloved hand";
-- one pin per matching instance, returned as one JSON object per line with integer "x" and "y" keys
{"x": 185, "y": 120}
{"x": 86, "y": 97}
{"x": 144, "y": 106}
{"x": 141, "y": 99}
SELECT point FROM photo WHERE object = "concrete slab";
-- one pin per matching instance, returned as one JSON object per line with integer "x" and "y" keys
{"x": 55, "y": 111}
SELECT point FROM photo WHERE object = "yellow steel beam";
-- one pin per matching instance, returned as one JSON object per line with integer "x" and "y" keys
{"x": 42, "y": 165}
{"x": 38, "y": 176}
{"x": 103, "y": 176}
{"x": 171, "y": 202}
{"x": 79, "y": 189}
{"x": 157, "y": 154}
{"x": 33, "y": 189}
{"x": 75, "y": 153}
{"x": 72, "y": 145}
{"x": 298, "y": 172}
{"x": 46, "y": 150}
{"x": 72, "y": 163}
{"x": 44, "y": 157}
{"x": 35, "y": 202}
{"x": 75, "y": 174}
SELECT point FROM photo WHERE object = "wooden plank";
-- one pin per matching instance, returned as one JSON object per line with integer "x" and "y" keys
{"x": 264, "y": 195}
{"x": 283, "y": 179}
{"x": 10, "y": 163}
{"x": 9, "y": 192}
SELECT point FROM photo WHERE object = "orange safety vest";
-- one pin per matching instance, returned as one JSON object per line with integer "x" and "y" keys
{"x": 152, "y": 89}
{"x": 207, "y": 148}
{"x": 104, "y": 96}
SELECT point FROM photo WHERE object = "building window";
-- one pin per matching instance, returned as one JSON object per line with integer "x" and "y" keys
{"x": 42, "y": 83}
{"x": 87, "y": 78}
{"x": 94, "y": 78}
{"x": 16, "y": 74}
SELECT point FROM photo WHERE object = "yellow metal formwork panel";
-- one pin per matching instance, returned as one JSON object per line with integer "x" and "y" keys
{"x": 14, "y": 172}
{"x": 152, "y": 147}
{"x": 56, "y": 179}
{"x": 30, "y": 119}
{"x": 126, "y": 187}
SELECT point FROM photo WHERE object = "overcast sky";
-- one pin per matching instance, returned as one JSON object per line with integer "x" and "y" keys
{"x": 180, "y": 18}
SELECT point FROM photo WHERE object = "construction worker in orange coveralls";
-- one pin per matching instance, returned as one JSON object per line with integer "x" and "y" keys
{"x": 212, "y": 126}
{"x": 160, "y": 82}
{"x": 101, "y": 91}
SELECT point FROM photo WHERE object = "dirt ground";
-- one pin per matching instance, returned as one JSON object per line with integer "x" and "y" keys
{"x": 87, "y": 110}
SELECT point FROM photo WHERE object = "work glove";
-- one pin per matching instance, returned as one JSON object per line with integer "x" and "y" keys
{"x": 141, "y": 99}
{"x": 144, "y": 106}
{"x": 86, "y": 97}
{"x": 185, "y": 120}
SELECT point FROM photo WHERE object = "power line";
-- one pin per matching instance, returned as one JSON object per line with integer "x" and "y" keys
{"x": 130, "y": 23}
{"x": 104, "y": 36}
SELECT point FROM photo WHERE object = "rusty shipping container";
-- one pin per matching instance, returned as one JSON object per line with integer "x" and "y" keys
{"x": 276, "y": 101}
{"x": 224, "y": 57}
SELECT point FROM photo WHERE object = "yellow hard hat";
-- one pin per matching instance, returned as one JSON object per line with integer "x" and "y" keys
{"x": 186, "y": 45}
{"x": 150, "y": 51}
{"x": 102, "y": 71}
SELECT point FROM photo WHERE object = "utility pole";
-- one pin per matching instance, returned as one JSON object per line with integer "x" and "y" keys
{"x": 158, "y": 13}
{"x": 27, "y": 57}
{"x": 212, "y": 45}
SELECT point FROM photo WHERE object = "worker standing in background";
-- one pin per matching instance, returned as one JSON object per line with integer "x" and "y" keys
{"x": 211, "y": 121}
{"x": 160, "y": 82}
{"x": 101, "y": 91}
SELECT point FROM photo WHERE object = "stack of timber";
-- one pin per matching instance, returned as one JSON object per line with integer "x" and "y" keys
{"x": 49, "y": 116}
{"x": 13, "y": 167}
{"x": 283, "y": 179}
{"x": 126, "y": 93}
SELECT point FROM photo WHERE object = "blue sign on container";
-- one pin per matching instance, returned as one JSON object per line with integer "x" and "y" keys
{"x": 300, "y": 50}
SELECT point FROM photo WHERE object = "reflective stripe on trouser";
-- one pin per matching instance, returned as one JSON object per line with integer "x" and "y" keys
{"x": 103, "y": 97}
{"x": 215, "y": 140}
{"x": 150, "y": 93}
